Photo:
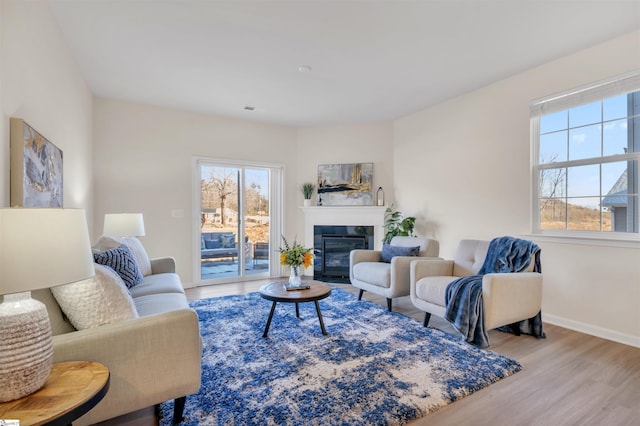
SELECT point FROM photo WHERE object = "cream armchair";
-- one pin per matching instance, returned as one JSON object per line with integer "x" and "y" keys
{"x": 507, "y": 297}
{"x": 368, "y": 272}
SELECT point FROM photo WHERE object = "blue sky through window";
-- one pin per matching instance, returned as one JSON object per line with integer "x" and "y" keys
{"x": 587, "y": 131}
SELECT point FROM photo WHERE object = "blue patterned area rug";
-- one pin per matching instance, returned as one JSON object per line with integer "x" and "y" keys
{"x": 373, "y": 367}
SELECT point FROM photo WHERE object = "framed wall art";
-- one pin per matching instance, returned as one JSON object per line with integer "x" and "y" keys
{"x": 345, "y": 184}
{"x": 36, "y": 168}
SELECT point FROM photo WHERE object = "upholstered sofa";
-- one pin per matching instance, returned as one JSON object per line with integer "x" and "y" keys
{"x": 216, "y": 245}
{"x": 152, "y": 358}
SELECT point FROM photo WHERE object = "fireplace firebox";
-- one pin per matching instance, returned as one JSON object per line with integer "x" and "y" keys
{"x": 332, "y": 246}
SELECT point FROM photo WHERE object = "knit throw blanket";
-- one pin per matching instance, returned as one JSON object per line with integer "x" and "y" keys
{"x": 464, "y": 306}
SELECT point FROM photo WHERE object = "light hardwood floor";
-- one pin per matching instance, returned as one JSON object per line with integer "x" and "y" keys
{"x": 569, "y": 378}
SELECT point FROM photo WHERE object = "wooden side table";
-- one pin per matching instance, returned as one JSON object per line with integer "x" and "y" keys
{"x": 73, "y": 388}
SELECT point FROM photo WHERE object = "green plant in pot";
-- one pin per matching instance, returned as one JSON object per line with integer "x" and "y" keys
{"x": 307, "y": 189}
{"x": 396, "y": 224}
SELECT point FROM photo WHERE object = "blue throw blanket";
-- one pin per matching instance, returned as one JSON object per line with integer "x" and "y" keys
{"x": 463, "y": 299}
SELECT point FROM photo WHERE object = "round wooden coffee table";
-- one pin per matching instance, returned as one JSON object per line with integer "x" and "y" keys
{"x": 276, "y": 292}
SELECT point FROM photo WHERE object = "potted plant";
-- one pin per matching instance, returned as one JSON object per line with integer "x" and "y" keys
{"x": 307, "y": 189}
{"x": 396, "y": 224}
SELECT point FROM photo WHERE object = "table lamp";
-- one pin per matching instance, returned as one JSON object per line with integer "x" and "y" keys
{"x": 123, "y": 225}
{"x": 39, "y": 248}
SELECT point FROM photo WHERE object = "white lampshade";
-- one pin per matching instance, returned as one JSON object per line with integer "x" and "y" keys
{"x": 123, "y": 225}
{"x": 42, "y": 248}
{"x": 39, "y": 248}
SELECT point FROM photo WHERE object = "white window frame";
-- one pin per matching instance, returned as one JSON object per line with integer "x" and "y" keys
{"x": 566, "y": 100}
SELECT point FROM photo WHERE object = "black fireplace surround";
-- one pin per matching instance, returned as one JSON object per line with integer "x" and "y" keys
{"x": 332, "y": 245}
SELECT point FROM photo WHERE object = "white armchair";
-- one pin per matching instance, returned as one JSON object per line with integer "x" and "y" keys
{"x": 368, "y": 272}
{"x": 507, "y": 297}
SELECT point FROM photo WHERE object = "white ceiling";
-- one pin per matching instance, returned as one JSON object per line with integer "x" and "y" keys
{"x": 370, "y": 60}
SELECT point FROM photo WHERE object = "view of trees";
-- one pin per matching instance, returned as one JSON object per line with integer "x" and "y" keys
{"x": 219, "y": 195}
{"x": 222, "y": 193}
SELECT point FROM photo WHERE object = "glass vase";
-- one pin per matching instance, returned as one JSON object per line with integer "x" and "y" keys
{"x": 294, "y": 277}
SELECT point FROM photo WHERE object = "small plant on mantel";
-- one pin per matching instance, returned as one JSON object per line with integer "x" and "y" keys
{"x": 307, "y": 189}
{"x": 396, "y": 224}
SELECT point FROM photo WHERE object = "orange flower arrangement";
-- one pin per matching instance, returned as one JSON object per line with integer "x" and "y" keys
{"x": 296, "y": 254}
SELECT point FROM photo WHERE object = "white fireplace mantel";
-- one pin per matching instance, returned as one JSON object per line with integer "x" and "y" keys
{"x": 346, "y": 216}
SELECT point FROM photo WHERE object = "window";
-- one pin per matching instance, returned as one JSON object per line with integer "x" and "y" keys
{"x": 586, "y": 152}
{"x": 238, "y": 216}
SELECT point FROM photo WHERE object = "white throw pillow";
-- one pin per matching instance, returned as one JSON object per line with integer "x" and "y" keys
{"x": 134, "y": 244}
{"x": 101, "y": 299}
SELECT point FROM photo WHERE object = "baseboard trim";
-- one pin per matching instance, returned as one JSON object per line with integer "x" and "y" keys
{"x": 626, "y": 339}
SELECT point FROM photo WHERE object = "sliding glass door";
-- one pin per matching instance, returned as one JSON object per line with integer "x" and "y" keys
{"x": 236, "y": 209}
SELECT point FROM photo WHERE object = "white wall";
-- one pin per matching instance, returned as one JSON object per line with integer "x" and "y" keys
{"x": 143, "y": 163}
{"x": 463, "y": 168}
{"x": 361, "y": 143}
{"x": 41, "y": 83}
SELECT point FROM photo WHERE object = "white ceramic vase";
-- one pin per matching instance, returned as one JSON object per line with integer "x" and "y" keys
{"x": 26, "y": 350}
{"x": 294, "y": 277}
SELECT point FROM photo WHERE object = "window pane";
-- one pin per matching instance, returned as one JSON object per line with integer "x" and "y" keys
{"x": 584, "y": 142}
{"x": 614, "y": 179}
{"x": 583, "y": 181}
{"x": 585, "y": 114}
{"x": 554, "y": 122}
{"x": 553, "y": 183}
{"x": 553, "y": 214}
{"x": 219, "y": 227}
{"x": 620, "y": 213}
{"x": 615, "y": 138}
{"x": 256, "y": 220}
{"x": 583, "y": 214}
{"x": 553, "y": 147}
{"x": 617, "y": 203}
{"x": 613, "y": 108}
